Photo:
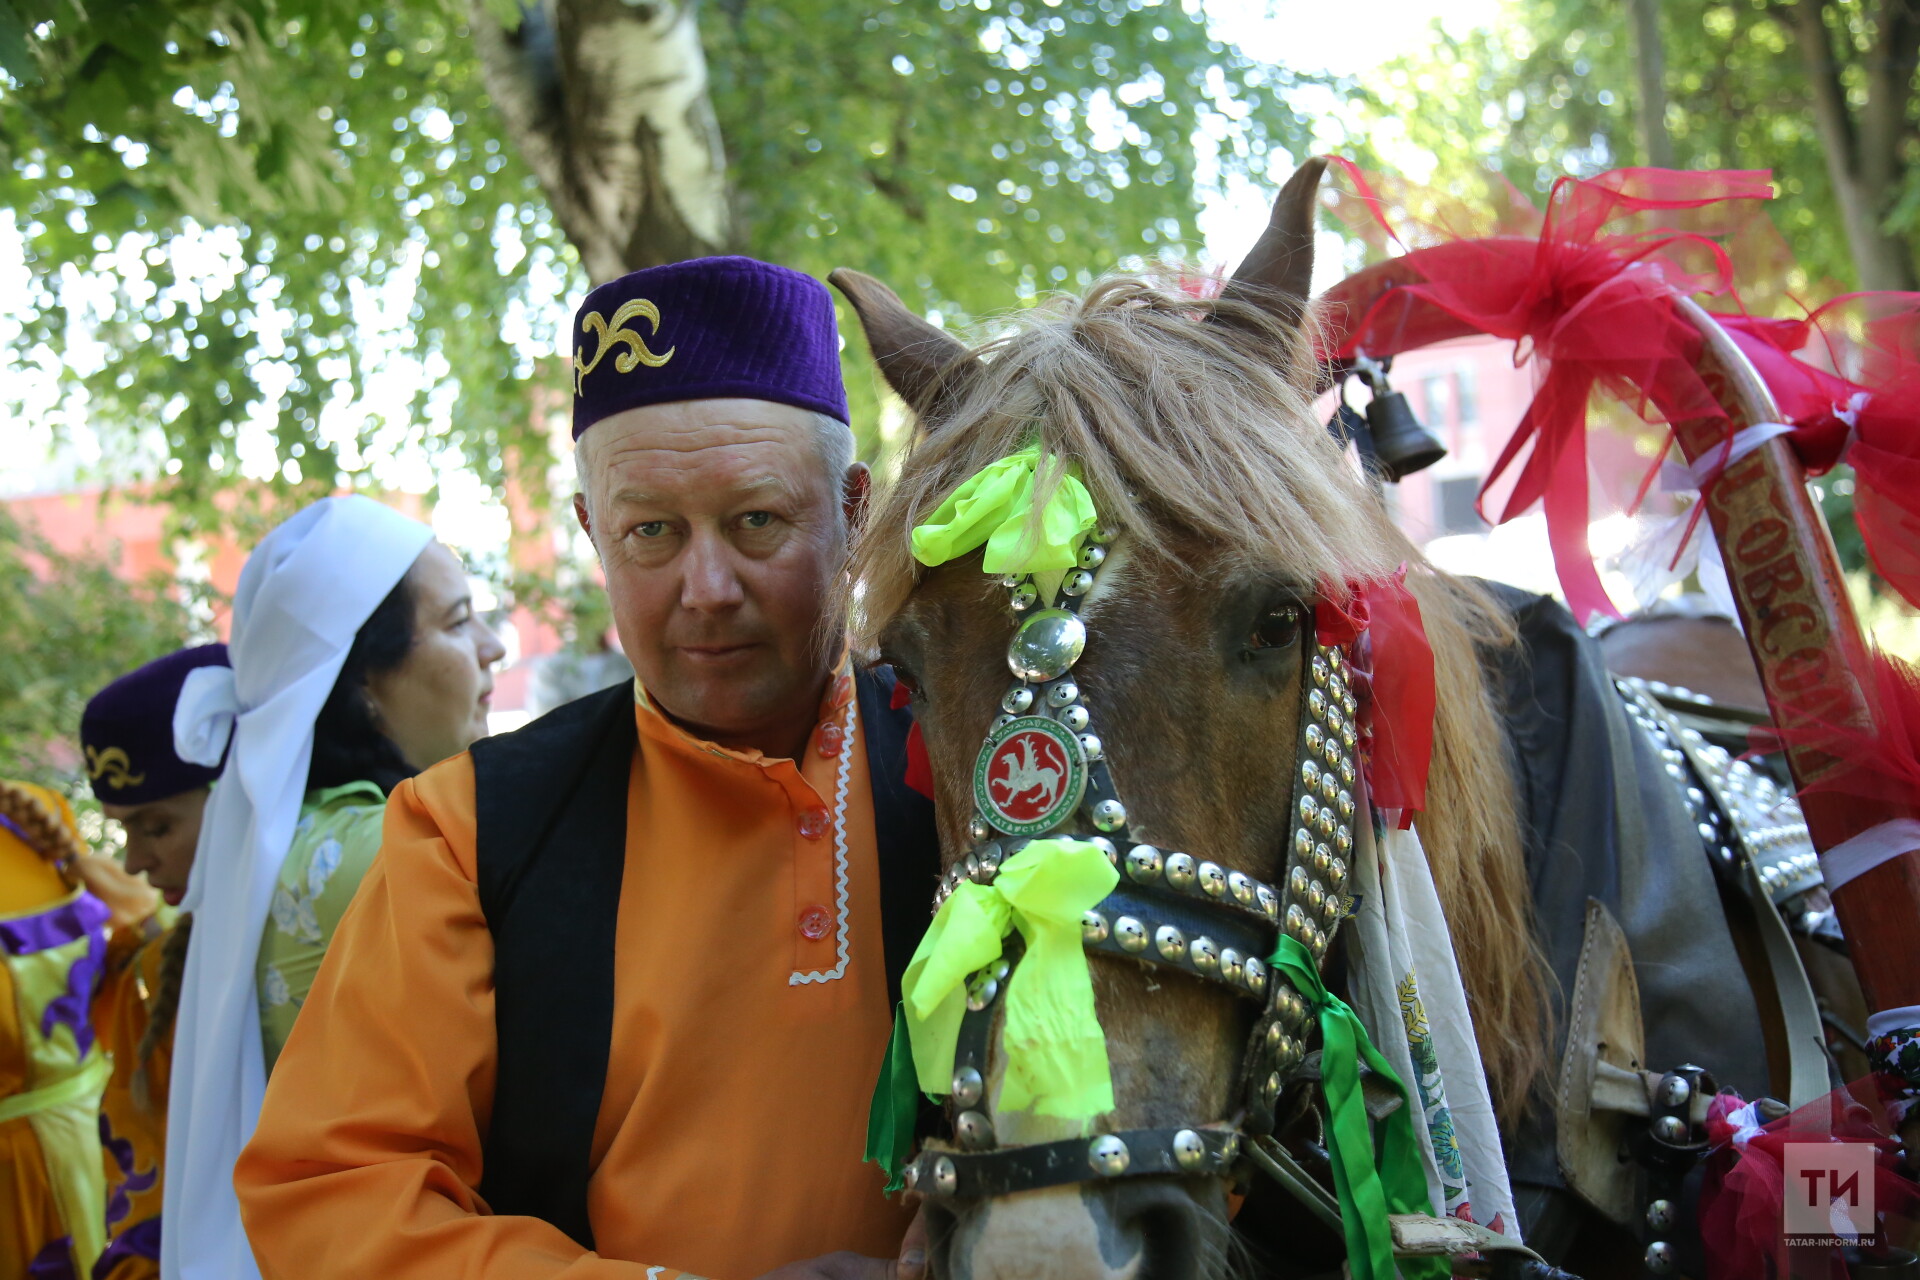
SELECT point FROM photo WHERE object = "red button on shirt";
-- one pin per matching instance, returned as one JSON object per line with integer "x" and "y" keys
{"x": 814, "y": 923}
{"x": 831, "y": 740}
{"x": 813, "y": 823}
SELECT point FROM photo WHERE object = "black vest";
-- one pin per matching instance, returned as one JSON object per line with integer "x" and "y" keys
{"x": 550, "y": 805}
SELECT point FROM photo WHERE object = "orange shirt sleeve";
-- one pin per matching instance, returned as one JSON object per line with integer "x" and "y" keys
{"x": 368, "y": 1151}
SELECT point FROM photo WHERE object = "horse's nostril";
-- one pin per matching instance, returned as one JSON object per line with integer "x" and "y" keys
{"x": 942, "y": 1227}
{"x": 1161, "y": 1224}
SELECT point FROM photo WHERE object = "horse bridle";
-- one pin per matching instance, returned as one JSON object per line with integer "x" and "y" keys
{"x": 1169, "y": 909}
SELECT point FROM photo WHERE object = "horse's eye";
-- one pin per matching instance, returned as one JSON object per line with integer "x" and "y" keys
{"x": 1278, "y": 628}
{"x": 902, "y": 675}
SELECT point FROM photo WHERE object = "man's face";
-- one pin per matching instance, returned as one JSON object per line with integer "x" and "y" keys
{"x": 721, "y": 534}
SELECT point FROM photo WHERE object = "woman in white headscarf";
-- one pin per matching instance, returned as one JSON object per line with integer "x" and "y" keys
{"x": 351, "y": 618}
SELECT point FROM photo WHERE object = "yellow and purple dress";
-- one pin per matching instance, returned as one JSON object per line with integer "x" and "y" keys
{"x": 133, "y": 1110}
{"x": 53, "y": 944}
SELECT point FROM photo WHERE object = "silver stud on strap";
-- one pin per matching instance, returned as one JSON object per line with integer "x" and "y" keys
{"x": 1189, "y": 1151}
{"x": 1130, "y": 934}
{"x": 1230, "y": 965}
{"x": 1205, "y": 955}
{"x": 1063, "y": 694}
{"x": 968, "y": 1087}
{"x": 973, "y": 1131}
{"x": 1019, "y": 700}
{"x": 1108, "y": 1156}
{"x": 1109, "y": 815}
{"x": 1093, "y": 927}
{"x": 1170, "y": 942}
{"x": 1213, "y": 881}
{"x": 1255, "y": 974}
{"x": 1180, "y": 870}
{"x": 946, "y": 1178}
{"x": 1075, "y": 718}
{"x": 1144, "y": 863}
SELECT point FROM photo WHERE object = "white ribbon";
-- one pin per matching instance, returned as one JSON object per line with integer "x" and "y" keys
{"x": 1695, "y": 476}
{"x": 204, "y": 715}
{"x": 1746, "y": 1125}
{"x": 1853, "y": 858}
{"x": 304, "y": 592}
{"x": 1658, "y": 558}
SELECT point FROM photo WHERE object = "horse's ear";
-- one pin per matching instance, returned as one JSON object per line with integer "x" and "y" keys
{"x": 927, "y": 366}
{"x": 1278, "y": 274}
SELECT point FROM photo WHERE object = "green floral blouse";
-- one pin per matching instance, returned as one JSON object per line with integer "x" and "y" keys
{"x": 333, "y": 845}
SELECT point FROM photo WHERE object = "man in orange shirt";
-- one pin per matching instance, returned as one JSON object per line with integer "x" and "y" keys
{"x": 612, "y": 999}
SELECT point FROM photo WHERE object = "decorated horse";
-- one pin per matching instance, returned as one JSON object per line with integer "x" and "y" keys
{"x": 1323, "y": 946}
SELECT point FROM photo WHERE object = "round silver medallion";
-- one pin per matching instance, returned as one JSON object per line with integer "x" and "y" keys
{"x": 1048, "y": 642}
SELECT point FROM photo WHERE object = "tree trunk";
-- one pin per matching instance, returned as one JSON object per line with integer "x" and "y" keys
{"x": 1863, "y": 155}
{"x": 606, "y": 101}
{"x": 1650, "y": 69}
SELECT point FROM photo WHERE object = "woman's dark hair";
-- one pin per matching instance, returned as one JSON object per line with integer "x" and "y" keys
{"x": 348, "y": 745}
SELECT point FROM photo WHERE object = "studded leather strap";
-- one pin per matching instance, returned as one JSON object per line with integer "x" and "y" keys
{"x": 1129, "y": 1153}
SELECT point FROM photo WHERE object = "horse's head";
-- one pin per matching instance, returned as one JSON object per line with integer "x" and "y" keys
{"x": 1215, "y": 735}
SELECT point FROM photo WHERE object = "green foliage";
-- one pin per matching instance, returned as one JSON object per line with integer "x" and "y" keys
{"x": 250, "y": 177}
{"x": 974, "y": 155}
{"x": 70, "y": 626}
{"x": 1551, "y": 90}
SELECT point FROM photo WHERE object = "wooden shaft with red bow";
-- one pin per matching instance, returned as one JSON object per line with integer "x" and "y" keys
{"x": 1812, "y": 657}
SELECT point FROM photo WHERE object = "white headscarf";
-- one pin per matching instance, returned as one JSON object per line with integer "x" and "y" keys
{"x": 304, "y": 592}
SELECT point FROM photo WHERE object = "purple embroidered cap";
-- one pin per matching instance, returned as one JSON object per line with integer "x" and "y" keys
{"x": 126, "y": 731}
{"x": 706, "y": 329}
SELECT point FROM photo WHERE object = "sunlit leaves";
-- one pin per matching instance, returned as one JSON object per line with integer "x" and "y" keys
{"x": 245, "y": 217}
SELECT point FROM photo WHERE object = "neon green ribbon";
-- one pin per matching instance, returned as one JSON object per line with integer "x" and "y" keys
{"x": 995, "y": 506}
{"x": 1056, "y": 1054}
{"x": 1369, "y": 1183}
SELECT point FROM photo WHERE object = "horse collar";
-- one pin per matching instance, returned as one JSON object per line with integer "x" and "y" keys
{"x": 1041, "y": 771}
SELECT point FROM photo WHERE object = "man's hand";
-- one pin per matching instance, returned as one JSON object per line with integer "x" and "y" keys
{"x": 846, "y": 1265}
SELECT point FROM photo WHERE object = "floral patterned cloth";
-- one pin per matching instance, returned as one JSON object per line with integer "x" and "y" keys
{"x": 333, "y": 845}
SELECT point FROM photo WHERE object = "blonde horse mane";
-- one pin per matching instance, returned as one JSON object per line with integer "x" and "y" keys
{"x": 1194, "y": 417}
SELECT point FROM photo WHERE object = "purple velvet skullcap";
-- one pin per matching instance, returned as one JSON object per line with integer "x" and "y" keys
{"x": 707, "y": 329}
{"x": 127, "y": 731}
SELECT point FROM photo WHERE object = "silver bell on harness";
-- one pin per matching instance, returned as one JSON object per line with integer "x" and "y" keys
{"x": 1390, "y": 439}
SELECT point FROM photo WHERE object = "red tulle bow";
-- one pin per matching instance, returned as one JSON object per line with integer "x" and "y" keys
{"x": 1378, "y": 622}
{"x": 1870, "y": 419}
{"x": 1588, "y": 292}
{"x": 1742, "y": 1217}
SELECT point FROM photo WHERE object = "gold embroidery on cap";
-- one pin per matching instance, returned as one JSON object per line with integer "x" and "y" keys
{"x": 617, "y": 333}
{"x": 113, "y": 766}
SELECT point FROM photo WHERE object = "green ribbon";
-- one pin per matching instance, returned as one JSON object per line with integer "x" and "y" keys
{"x": 995, "y": 506}
{"x": 895, "y": 1107}
{"x": 1054, "y": 1050}
{"x": 1369, "y": 1184}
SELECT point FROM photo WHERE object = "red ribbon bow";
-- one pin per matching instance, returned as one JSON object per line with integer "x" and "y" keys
{"x": 1378, "y": 622}
{"x": 1593, "y": 298}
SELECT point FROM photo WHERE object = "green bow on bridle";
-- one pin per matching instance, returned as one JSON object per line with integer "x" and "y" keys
{"x": 1370, "y": 1183}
